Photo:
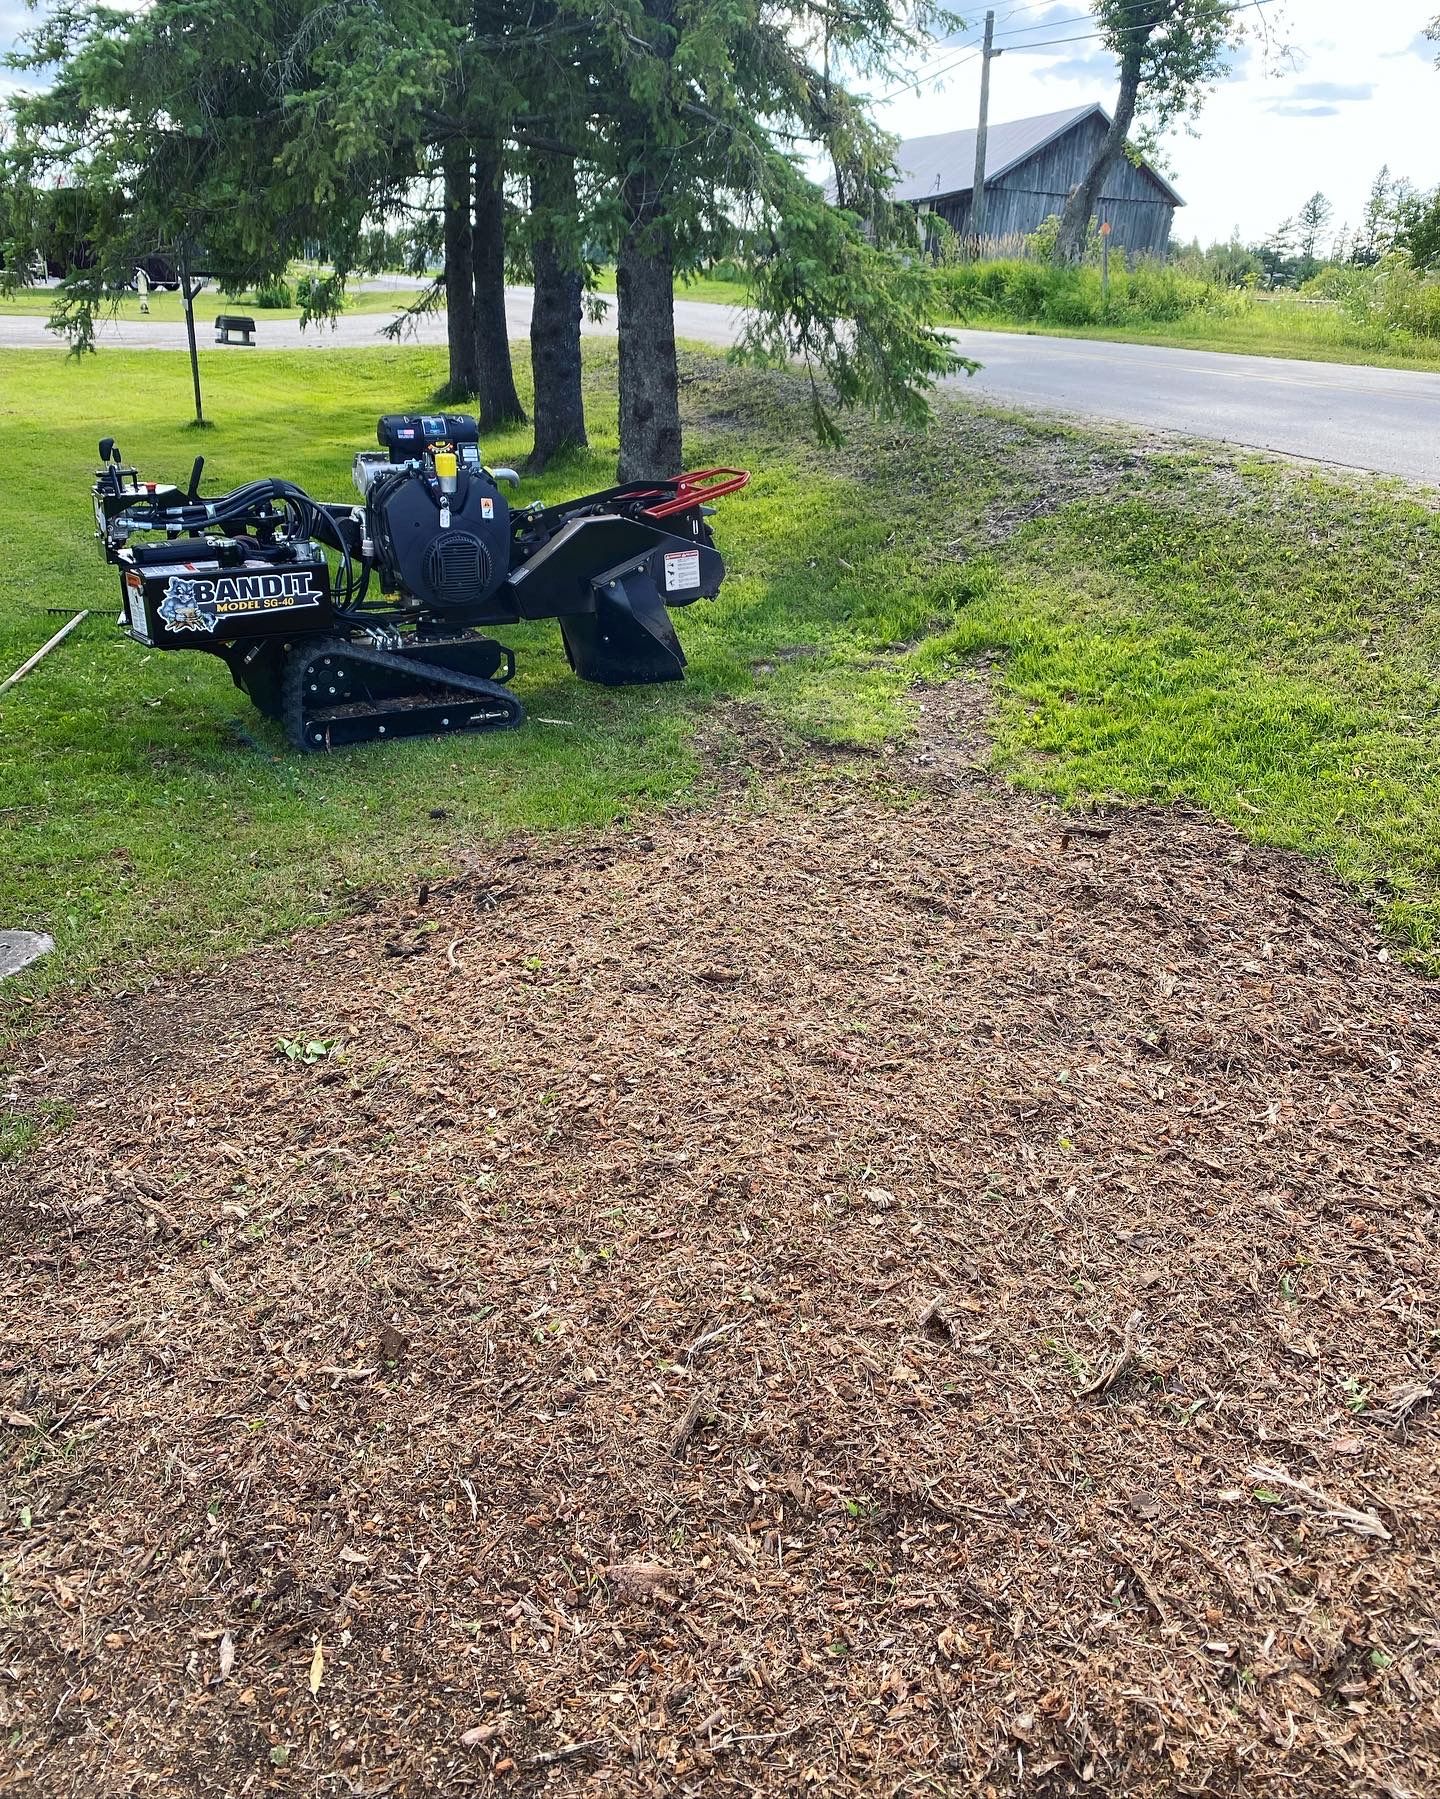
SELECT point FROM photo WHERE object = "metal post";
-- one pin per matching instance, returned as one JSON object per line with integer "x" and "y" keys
{"x": 977, "y": 202}
{"x": 1105, "y": 265}
{"x": 188, "y": 294}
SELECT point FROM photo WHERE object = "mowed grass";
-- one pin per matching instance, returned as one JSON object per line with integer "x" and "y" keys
{"x": 1164, "y": 625}
{"x": 1256, "y": 640}
{"x": 166, "y": 307}
{"x": 715, "y": 290}
{"x": 148, "y": 816}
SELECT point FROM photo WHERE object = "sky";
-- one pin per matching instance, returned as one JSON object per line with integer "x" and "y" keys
{"x": 1361, "y": 89}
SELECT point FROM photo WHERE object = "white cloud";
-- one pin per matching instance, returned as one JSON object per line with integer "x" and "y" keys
{"x": 1361, "y": 93}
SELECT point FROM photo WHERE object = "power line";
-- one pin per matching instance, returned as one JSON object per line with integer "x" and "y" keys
{"x": 922, "y": 79}
{"x": 1087, "y": 37}
{"x": 1090, "y": 37}
{"x": 1083, "y": 18}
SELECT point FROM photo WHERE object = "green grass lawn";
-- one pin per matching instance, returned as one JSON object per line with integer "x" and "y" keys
{"x": 1186, "y": 624}
{"x": 710, "y": 288}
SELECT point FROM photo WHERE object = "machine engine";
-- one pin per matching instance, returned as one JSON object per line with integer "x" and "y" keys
{"x": 435, "y": 515}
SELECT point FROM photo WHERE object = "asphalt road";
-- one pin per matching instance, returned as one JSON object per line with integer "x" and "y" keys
{"x": 1387, "y": 420}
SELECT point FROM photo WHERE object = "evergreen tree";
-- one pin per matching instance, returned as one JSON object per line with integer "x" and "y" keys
{"x": 1418, "y": 231}
{"x": 164, "y": 135}
{"x": 666, "y": 135}
{"x": 699, "y": 139}
{"x": 1277, "y": 254}
{"x": 1376, "y": 231}
{"x": 1310, "y": 223}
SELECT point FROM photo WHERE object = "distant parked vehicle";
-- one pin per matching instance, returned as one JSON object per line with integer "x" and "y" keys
{"x": 160, "y": 272}
{"x": 60, "y": 262}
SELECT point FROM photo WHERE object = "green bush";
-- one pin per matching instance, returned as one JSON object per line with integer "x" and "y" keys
{"x": 274, "y": 295}
{"x": 1043, "y": 239}
{"x": 1391, "y": 298}
{"x": 321, "y": 296}
{"x": 1075, "y": 297}
{"x": 1047, "y": 293}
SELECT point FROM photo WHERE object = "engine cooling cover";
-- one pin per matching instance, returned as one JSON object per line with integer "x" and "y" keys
{"x": 451, "y": 569}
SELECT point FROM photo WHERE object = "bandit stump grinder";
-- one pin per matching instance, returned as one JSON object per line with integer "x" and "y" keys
{"x": 354, "y": 622}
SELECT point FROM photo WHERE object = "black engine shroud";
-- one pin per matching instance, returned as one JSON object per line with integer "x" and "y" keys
{"x": 279, "y": 584}
{"x": 454, "y": 570}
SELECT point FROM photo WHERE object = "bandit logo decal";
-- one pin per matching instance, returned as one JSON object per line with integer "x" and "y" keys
{"x": 200, "y": 605}
{"x": 185, "y": 606}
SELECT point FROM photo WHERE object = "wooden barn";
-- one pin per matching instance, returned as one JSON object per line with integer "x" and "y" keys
{"x": 1031, "y": 168}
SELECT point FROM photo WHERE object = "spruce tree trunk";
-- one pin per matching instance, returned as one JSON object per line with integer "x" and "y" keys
{"x": 1080, "y": 207}
{"x": 555, "y": 315}
{"x": 499, "y": 402}
{"x": 649, "y": 375}
{"x": 459, "y": 278}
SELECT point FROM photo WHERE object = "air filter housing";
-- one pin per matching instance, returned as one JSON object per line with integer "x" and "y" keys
{"x": 457, "y": 567}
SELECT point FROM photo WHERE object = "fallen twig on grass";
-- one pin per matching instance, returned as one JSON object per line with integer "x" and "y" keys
{"x": 1128, "y": 1358}
{"x": 40, "y": 654}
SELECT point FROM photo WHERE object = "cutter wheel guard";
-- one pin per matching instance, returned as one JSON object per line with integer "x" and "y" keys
{"x": 351, "y": 623}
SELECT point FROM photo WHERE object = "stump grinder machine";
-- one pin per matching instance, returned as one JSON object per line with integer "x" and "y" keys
{"x": 350, "y": 623}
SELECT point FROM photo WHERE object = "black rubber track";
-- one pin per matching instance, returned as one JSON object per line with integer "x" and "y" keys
{"x": 429, "y": 682}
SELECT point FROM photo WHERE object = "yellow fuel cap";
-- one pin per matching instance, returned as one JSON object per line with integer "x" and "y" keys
{"x": 445, "y": 463}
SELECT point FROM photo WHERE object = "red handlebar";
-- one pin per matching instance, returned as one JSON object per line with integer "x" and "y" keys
{"x": 697, "y": 488}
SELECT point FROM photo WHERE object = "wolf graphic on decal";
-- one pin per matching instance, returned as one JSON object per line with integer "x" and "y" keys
{"x": 188, "y": 605}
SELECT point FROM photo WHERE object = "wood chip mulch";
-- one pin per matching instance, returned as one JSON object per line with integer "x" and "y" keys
{"x": 830, "y": 1295}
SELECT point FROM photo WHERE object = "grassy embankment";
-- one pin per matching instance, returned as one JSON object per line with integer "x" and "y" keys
{"x": 1165, "y": 306}
{"x": 1152, "y": 306}
{"x": 1180, "y": 624}
{"x": 1160, "y": 307}
{"x": 1285, "y": 328}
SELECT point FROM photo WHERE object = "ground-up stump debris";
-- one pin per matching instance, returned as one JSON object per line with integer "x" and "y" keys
{"x": 829, "y": 1295}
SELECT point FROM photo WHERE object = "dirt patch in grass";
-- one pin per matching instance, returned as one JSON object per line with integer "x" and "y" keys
{"x": 836, "y": 1293}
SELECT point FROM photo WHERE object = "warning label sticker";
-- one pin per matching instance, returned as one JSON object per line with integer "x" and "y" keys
{"x": 135, "y": 606}
{"x": 682, "y": 570}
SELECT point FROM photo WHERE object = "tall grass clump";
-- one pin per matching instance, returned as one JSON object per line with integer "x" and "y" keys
{"x": 1036, "y": 293}
{"x": 1392, "y": 299}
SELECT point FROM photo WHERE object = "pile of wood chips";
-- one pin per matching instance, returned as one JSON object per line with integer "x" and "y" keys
{"x": 831, "y": 1294}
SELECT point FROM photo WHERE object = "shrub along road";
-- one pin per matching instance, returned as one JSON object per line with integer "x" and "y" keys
{"x": 1384, "y": 420}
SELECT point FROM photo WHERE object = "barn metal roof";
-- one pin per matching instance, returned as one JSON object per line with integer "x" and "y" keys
{"x": 934, "y": 167}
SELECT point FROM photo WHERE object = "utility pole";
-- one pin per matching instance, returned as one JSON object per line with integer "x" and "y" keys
{"x": 977, "y": 206}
